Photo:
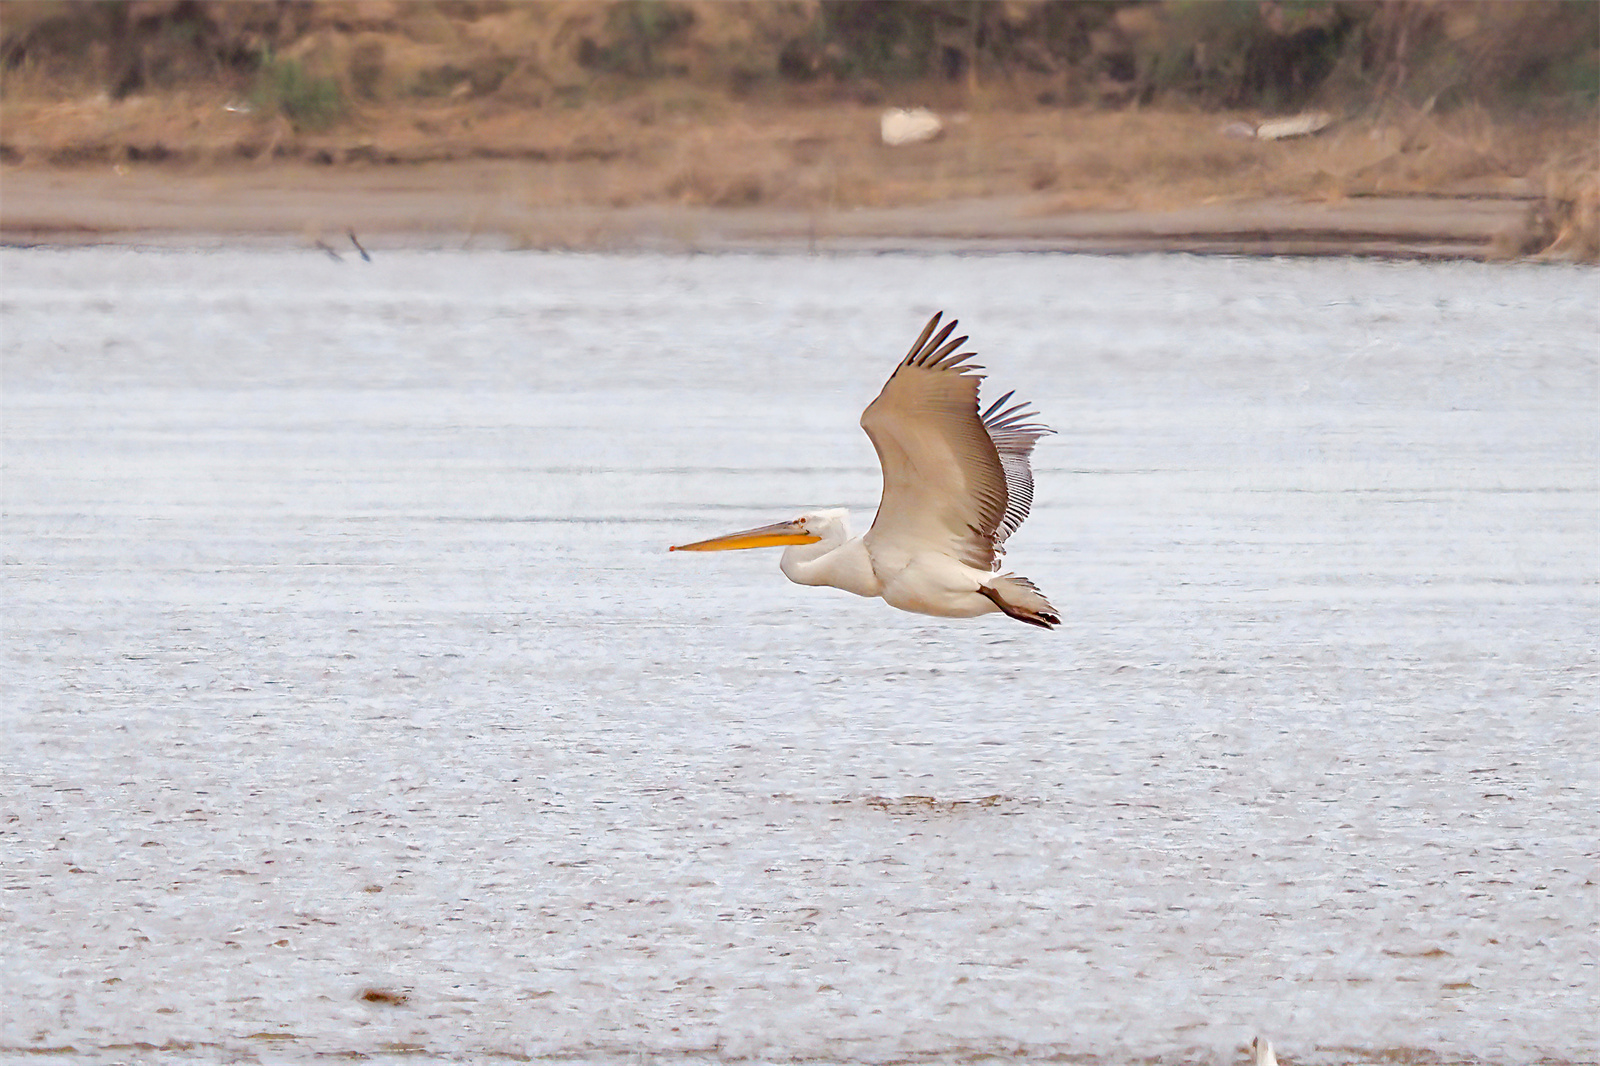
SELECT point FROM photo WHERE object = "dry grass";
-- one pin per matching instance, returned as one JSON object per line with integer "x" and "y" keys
{"x": 1160, "y": 160}
{"x": 1566, "y": 224}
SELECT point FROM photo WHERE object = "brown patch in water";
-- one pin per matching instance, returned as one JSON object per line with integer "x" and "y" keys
{"x": 927, "y": 806}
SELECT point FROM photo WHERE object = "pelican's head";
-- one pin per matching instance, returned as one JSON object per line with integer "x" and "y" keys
{"x": 831, "y": 525}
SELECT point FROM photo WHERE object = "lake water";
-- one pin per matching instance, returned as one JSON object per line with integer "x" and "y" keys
{"x": 353, "y": 708}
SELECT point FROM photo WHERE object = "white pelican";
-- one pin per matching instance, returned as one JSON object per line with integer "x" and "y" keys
{"x": 1263, "y": 1049}
{"x": 956, "y": 484}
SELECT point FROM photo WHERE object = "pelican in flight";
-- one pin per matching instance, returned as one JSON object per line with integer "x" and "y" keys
{"x": 956, "y": 484}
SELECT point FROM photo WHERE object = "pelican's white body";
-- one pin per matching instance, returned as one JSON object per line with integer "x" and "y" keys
{"x": 925, "y": 582}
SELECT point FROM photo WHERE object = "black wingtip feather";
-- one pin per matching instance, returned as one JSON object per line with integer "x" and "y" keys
{"x": 997, "y": 405}
{"x": 937, "y": 359}
{"x": 922, "y": 338}
{"x": 928, "y": 352}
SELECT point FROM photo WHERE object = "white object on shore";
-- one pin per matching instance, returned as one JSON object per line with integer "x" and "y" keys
{"x": 1277, "y": 129}
{"x": 1263, "y": 1049}
{"x": 1301, "y": 125}
{"x": 900, "y": 126}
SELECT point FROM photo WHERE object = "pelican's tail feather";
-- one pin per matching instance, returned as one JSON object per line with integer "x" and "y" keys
{"x": 1022, "y": 600}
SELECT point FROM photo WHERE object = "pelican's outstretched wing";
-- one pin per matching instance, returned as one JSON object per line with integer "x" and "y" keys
{"x": 1014, "y": 436}
{"x": 953, "y": 480}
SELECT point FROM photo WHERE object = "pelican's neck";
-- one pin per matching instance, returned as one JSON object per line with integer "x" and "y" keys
{"x": 838, "y": 559}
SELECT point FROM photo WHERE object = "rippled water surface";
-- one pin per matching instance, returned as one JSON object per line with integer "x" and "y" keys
{"x": 352, "y": 706}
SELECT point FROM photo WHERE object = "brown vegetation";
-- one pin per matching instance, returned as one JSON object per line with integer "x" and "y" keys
{"x": 1092, "y": 104}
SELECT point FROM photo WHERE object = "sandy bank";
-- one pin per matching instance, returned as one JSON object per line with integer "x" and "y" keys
{"x": 484, "y": 204}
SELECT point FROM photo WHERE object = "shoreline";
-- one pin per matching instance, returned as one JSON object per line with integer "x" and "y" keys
{"x": 476, "y": 204}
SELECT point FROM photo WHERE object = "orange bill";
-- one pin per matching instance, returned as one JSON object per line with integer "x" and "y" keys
{"x": 762, "y": 537}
